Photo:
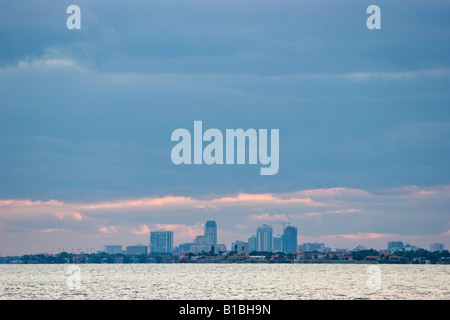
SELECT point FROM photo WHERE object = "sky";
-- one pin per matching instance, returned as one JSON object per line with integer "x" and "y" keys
{"x": 86, "y": 118}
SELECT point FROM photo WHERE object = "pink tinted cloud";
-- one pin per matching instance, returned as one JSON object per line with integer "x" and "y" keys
{"x": 305, "y": 215}
{"x": 51, "y": 230}
{"x": 332, "y": 192}
{"x": 29, "y": 203}
{"x": 69, "y": 214}
{"x": 345, "y": 211}
{"x": 422, "y": 192}
{"x": 361, "y": 235}
{"x": 182, "y": 231}
{"x": 166, "y": 201}
{"x": 108, "y": 230}
{"x": 142, "y": 229}
{"x": 265, "y": 199}
{"x": 267, "y": 217}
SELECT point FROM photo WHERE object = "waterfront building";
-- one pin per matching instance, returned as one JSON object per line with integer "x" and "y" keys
{"x": 409, "y": 247}
{"x": 264, "y": 238}
{"x": 207, "y": 241}
{"x": 201, "y": 240}
{"x": 439, "y": 247}
{"x": 211, "y": 232}
{"x": 289, "y": 239}
{"x": 312, "y": 247}
{"x": 112, "y": 249}
{"x": 220, "y": 247}
{"x": 277, "y": 243}
{"x": 137, "y": 249}
{"x": 183, "y": 248}
{"x": 161, "y": 241}
{"x": 239, "y": 246}
{"x": 201, "y": 244}
{"x": 395, "y": 246}
{"x": 199, "y": 248}
{"x": 252, "y": 243}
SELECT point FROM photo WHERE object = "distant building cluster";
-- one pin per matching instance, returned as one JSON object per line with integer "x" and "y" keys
{"x": 264, "y": 240}
{"x": 207, "y": 242}
{"x": 437, "y": 247}
{"x": 262, "y": 247}
{"x": 161, "y": 242}
{"x": 130, "y": 250}
{"x": 399, "y": 246}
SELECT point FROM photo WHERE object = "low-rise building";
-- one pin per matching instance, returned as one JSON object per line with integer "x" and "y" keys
{"x": 393, "y": 258}
{"x": 372, "y": 258}
{"x": 136, "y": 249}
{"x": 258, "y": 258}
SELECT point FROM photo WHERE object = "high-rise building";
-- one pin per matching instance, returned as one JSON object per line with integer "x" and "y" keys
{"x": 264, "y": 238}
{"x": 277, "y": 243}
{"x": 211, "y": 232}
{"x": 395, "y": 246}
{"x": 161, "y": 241}
{"x": 208, "y": 241}
{"x": 112, "y": 248}
{"x": 252, "y": 243}
{"x": 436, "y": 247}
{"x": 289, "y": 244}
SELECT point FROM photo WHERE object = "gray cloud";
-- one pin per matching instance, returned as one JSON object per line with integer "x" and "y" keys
{"x": 86, "y": 115}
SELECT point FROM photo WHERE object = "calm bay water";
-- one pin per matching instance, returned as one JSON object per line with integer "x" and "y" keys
{"x": 223, "y": 281}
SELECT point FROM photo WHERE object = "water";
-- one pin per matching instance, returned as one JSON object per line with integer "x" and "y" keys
{"x": 223, "y": 281}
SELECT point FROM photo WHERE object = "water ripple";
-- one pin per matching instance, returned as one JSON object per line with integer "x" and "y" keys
{"x": 224, "y": 281}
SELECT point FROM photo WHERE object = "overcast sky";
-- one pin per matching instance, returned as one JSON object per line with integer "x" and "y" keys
{"x": 86, "y": 118}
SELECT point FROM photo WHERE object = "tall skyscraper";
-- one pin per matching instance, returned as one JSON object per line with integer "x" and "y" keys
{"x": 289, "y": 242}
{"x": 252, "y": 243}
{"x": 277, "y": 243}
{"x": 264, "y": 238}
{"x": 161, "y": 241}
{"x": 211, "y": 232}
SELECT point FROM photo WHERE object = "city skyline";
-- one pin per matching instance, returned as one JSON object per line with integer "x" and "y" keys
{"x": 311, "y": 211}
{"x": 87, "y": 115}
{"x": 161, "y": 242}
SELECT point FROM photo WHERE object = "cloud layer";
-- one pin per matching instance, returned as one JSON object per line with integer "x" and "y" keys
{"x": 336, "y": 216}
{"x": 86, "y": 118}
